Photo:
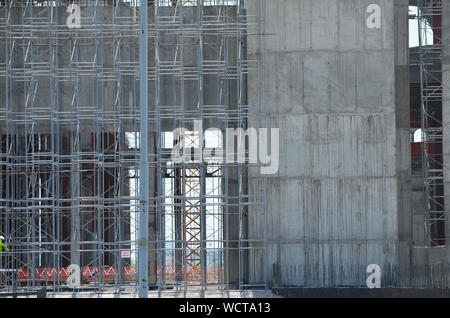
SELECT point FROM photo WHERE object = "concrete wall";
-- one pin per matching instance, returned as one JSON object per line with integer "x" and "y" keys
{"x": 334, "y": 206}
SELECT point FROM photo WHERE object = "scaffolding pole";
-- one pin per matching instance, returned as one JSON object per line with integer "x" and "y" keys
{"x": 143, "y": 141}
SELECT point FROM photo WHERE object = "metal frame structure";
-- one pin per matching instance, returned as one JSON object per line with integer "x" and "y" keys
{"x": 86, "y": 174}
{"x": 429, "y": 14}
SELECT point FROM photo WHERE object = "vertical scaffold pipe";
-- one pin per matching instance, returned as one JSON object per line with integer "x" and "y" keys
{"x": 143, "y": 167}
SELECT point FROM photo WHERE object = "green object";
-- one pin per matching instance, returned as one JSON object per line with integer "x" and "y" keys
{"x": 3, "y": 246}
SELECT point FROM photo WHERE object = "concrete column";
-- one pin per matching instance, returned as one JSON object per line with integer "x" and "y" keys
{"x": 402, "y": 115}
{"x": 331, "y": 89}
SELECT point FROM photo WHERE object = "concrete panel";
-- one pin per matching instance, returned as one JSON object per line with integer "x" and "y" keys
{"x": 324, "y": 26}
{"x": 376, "y": 81}
{"x": 343, "y": 83}
{"x": 316, "y": 68}
{"x": 351, "y": 34}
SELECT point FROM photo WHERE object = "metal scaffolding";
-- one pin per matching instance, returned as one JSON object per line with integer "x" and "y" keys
{"x": 78, "y": 184}
{"x": 429, "y": 15}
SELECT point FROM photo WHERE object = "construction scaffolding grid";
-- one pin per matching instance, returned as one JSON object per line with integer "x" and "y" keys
{"x": 70, "y": 146}
{"x": 429, "y": 15}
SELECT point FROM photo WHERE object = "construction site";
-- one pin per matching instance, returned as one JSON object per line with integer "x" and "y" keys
{"x": 98, "y": 97}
